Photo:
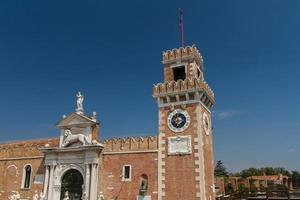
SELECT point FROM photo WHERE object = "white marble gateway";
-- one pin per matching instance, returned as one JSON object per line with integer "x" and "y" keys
{"x": 77, "y": 154}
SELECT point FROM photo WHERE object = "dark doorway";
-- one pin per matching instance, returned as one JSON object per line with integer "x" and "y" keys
{"x": 71, "y": 183}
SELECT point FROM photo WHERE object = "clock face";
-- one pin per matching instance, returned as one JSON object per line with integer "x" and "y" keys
{"x": 206, "y": 124}
{"x": 178, "y": 120}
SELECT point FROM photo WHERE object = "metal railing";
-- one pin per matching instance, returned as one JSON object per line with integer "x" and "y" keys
{"x": 263, "y": 195}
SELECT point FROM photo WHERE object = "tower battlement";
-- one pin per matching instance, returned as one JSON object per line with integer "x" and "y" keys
{"x": 188, "y": 85}
{"x": 189, "y": 91}
{"x": 183, "y": 79}
{"x": 182, "y": 54}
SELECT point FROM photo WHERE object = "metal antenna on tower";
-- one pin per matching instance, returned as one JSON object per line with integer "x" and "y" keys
{"x": 181, "y": 26}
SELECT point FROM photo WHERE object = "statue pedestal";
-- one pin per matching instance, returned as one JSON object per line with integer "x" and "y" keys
{"x": 79, "y": 111}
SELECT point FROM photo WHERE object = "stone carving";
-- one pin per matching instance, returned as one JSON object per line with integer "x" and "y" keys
{"x": 73, "y": 138}
{"x": 179, "y": 145}
{"x": 100, "y": 196}
{"x": 84, "y": 196}
{"x": 14, "y": 195}
{"x": 42, "y": 196}
{"x": 66, "y": 197}
{"x": 143, "y": 187}
{"x": 80, "y": 99}
{"x": 94, "y": 116}
{"x": 35, "y": 196}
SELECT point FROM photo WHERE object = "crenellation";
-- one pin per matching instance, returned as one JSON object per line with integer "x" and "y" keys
{"x": 130, "y": 144}
{"x": 182, "y": 54}
{"x": 192, "y": 87}
{"x": 16, "y": 149}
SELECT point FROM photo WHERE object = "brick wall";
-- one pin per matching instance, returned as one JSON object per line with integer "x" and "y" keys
{"x": 110, "y": 178}
{"x": 13, "y": 158}
{"x": 178, "y": 171}
{"x": 140, "y": 152}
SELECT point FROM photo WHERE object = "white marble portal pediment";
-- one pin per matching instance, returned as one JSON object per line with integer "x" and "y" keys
{"x": 75, "y": 119}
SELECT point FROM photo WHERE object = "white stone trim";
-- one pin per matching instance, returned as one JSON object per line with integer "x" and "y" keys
{"x": 184, "y": 102}
{"x": 46, "y": 181}
{"x": 130, "y": 152}
{"x": 21, "y": 158}
{"x": 130, "y": 173}
{"x": 14, "y": 166}
{"x": 24, "y": 176}
{"x": 181, "y": 64}
{"x": 64, "y": 168}
{"x": 161, "y": 164}
{"x": 200, "y": 154}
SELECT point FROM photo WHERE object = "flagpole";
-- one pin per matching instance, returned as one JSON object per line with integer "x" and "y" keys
{"x": 181, "y": 26}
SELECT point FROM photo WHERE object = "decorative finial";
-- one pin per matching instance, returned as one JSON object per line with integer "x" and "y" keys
{"x": 94, "y": 116}
{"x": 80, "y": 98}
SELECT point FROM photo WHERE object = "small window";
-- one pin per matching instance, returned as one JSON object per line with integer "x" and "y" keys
{"x": 26, "y": 177}
{"x": 127, "y": 173}
{"x": 179, "y": 73}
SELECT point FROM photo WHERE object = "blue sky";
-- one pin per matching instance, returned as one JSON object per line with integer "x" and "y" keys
{"x": 111, "y": 51}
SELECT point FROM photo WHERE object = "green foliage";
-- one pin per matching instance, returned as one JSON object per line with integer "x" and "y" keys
{"x": 241, "y": 188}
{"x": 251, "y": 172}
{"x": 296, "y": 179}
{"x": 220, "y": 169}
{"x": 261, "y": 171}
{"x": 229, "y": 189}
{"x": 262, "y": 186}
{"x": 275, "y": 171}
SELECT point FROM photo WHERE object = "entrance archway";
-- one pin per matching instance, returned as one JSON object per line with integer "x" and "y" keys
{"x": 71, "y": 183}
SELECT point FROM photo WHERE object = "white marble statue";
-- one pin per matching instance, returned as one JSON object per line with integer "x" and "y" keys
{"x": 94, "y": 116}
{"x": 42, "y": 196}
{"x": 66, "y": 197}
{"x": 73, "y": 138}
{"x": 14, "y": 195}
{"x": 100, "y": 196}
{"x": 80, "y": 99}
{"x": 35, "y": 196}
{"x": 84, "y": 196}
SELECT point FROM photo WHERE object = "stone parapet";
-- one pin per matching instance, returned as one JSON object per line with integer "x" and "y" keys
{"x": 180, "y": 86}
{"x": 188, "y": 53}
{"x": 130, "y": 144}
{"x": 26, "y": 148}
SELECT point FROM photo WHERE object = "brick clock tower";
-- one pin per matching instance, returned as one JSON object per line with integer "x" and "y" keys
{"x": 185, "y": 148}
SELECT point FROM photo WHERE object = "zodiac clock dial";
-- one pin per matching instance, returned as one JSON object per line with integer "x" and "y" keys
{"x": 178, "y": 120}
{"x": 206, "y": 123}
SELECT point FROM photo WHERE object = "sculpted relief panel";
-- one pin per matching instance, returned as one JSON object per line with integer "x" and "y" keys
{"x": 70, "y": 138}
{"x": 179, "y": 145}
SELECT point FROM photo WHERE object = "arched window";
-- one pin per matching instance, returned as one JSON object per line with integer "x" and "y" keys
{"x": 26, "y": 177}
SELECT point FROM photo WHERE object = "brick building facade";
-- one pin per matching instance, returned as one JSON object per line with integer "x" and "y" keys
{"x": 175, "y": 164}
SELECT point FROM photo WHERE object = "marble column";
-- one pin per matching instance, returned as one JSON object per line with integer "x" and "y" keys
{"x": 50, "y": 190}
{"x": 87, "y": 179}
{"x": 46, "y": 181}
{"x": 93, "y": 182}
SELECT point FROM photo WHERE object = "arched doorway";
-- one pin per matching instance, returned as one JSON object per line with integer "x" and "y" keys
{"x": 72, "y": 182}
